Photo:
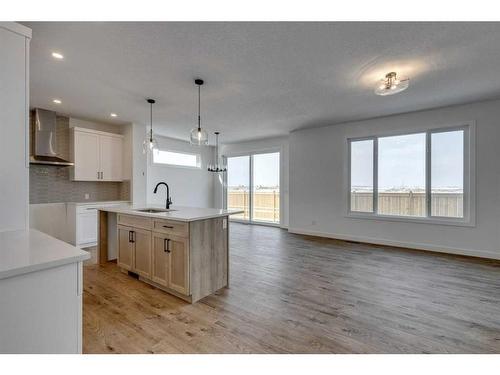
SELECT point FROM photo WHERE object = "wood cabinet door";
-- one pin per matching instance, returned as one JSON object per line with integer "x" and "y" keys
{"x": 86, "y": 156}
{"x": 125, "y": 248}
{"x": 142, "y": 256}
{"x": 178, "y": 265}
{"x": 159, "y": 271}
{"x": 110, "y": 155}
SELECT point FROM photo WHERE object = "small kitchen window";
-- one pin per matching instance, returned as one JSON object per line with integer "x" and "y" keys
{"x": 176, "y": 159}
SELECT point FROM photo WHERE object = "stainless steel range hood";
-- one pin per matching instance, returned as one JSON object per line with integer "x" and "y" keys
{"x": 45, "y": 141}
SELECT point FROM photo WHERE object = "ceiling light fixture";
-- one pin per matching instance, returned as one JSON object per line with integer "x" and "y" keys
{"x": 391, "y": 84}
{"x": 113, "y": 115}
{"x": 199, "y": 136}
{"x": 150, "y": 143}
{"x": 217, "y": 167}
{"x": 57, "y": 101}
{"x": 57, "y": 55}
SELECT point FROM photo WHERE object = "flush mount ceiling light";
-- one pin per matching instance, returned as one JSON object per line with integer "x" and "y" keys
{"x": 57, "y": 55}
{"x": 199, "y": 136}
{"x": 391, "y": 84}
{"x": 57, "y": 101}
{"x": 149, "y": 143}
{"x": 217, "y": 167}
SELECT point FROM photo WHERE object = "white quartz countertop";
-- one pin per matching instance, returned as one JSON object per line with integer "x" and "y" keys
{"x": 88, "y": 203}
{"x": 26, "y": 251}
{"x": 177, "y": 213}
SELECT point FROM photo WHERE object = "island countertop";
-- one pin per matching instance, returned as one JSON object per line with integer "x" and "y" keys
{"x": 176, "y": 213}
{"x": 25, "y": 251}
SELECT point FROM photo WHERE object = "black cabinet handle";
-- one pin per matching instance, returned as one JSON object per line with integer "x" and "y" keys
{"x": 168, "y": 226}
{"x": 133, "y": 236}
{"x": 166, "y": 245}
{"x": 129, "y": 236}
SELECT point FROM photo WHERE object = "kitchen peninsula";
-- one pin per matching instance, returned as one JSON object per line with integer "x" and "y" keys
{"x": 183, "y": 250}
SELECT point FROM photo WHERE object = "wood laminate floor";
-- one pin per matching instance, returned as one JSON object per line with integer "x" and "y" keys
{"x": 299, "y": 294}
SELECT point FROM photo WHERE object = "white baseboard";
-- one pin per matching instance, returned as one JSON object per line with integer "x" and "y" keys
{"x": 408, "y": 245}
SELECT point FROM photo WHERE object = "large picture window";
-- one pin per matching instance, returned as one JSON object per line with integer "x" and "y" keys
{"x": 419, "y": 175}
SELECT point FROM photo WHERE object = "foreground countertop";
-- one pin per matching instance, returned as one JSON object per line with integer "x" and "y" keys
{"x": 26, "y": 251}
{"x": 176, "y": 213}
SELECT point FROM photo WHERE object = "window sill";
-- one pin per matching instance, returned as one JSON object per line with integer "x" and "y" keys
{"x": 418, "y": 220}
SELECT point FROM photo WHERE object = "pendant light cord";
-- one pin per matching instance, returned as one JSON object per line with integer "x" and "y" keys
{"x": 151, "y": 122}
{"x": 199, "y": 106}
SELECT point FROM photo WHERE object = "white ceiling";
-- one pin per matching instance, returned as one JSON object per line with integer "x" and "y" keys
{"x": 261, "y": 79}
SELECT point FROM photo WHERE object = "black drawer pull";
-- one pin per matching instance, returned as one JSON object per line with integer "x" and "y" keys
{"x": 166, "y": 245}
{"x": 168, "y": 226}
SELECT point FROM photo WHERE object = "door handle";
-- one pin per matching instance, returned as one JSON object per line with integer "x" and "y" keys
{"x": 166, "y": 245}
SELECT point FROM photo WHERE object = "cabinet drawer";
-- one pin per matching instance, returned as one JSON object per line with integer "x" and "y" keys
{"x": 177, "y": 228}
{"x": 135, "y": 221}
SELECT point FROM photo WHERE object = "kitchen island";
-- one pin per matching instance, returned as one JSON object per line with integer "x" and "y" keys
{"x": 183, "y": 250}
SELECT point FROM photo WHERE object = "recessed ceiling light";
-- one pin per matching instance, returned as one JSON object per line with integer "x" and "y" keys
{"x": 57, "y": 101}
{"x": 57, "y": 55}
{"x": 113, "y": 115}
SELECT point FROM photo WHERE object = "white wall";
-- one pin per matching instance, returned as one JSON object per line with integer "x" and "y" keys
{"x": 188, "y": 186}
{"x": 139, "y": 166}
{"x": 14, "y": 142}
{"x": 318, "y": 164}
{"x": 263, "y": 145}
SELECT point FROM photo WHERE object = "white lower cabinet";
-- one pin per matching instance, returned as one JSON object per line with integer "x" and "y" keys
{"x": 41, "y": 312}
{"x": 82, "y": 222}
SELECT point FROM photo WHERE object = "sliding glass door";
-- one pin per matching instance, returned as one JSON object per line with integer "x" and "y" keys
{"x": 238, "y": 186}
{"x": 253, "y": 185}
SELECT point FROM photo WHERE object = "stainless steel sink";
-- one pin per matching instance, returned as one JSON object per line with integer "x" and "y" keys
{"x": 153, "y": 210}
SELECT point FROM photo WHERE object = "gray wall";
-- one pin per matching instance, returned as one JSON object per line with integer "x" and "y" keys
{"x": 318, "y": 196}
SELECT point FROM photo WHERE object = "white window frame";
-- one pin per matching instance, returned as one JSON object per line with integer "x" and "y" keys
{"x": 250, "y": 155}
{"x": 198, "y": 159}
{"x": 469, "y": 196}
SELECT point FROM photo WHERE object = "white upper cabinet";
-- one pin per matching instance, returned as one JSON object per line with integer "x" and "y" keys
{"x": 97, "y": 155}
{"x": 110, "y": 151}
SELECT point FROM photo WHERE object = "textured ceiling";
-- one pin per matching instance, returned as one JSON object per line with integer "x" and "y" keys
{"x": 261, "y": 79}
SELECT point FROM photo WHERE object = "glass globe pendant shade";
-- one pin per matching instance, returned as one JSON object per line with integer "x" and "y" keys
{"x": 199, "y": 137}
{"x": 149, "y": 144}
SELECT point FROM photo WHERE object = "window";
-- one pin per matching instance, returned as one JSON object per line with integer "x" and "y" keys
{"x": 178, "y": 159}
{"x": 401, "y": 175}
{"x": 362, "y": 176}
{"x": 253, "y": 185}
{"x": 419, "y": 175}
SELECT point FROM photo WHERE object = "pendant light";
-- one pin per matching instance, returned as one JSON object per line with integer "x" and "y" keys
{"x": 391, "y": 84}
{"x": 150, "y": 143}
{"x": 199, "y": 136}
{"x": 217, "y": 167}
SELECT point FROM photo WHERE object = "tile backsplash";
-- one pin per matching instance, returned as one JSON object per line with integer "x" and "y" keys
{"x": 51, "y": 184}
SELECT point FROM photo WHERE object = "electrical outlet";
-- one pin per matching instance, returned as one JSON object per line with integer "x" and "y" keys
{"x": 87, "y": 195}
